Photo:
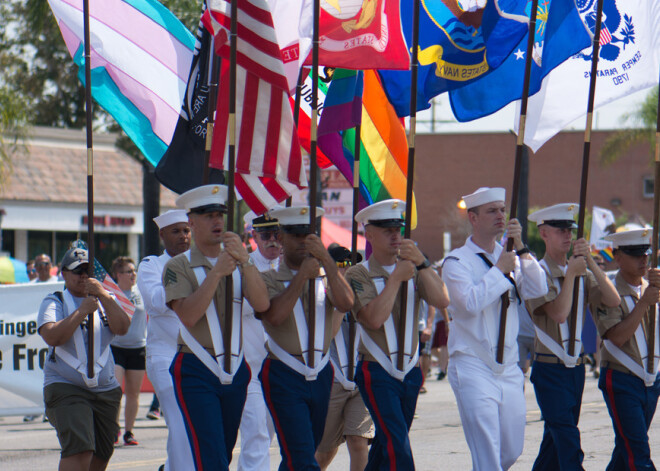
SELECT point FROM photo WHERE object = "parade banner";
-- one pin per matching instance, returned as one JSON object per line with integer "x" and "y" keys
{"x": 22, "y": 351}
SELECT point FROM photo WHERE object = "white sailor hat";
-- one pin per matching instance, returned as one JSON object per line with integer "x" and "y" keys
{"x": 173, "y": 216}
{"x": 204, "y": 199}
{"x": 386, "y": 213}
{"x": 295, "y": 219}
{"x": 560, "y": 215}
{"x": 636, "y": 242}
{"x": 484, "y": 195}
{"x": 264, "y": 223}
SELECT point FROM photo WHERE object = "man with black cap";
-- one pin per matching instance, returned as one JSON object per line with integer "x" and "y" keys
{"x": 162, "y": 330}
{"x": 257, "y": 430}
{"x": 390, "y": 392}
{"x": 630, "y": 390}
{"x": 83, "y": 410}
{"x": 211, "y": 397}
{"x": 485, "y": 282}
{"x": 296, "y": 377}
{"x": 348, "y": 418}
{"x": 558, "y": 376}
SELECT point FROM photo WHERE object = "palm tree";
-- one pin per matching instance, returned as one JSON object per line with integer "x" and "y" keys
{"x": 645, "y": 118}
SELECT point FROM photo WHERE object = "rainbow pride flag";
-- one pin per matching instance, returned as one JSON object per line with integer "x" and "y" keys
{"x": 383, "y": 144}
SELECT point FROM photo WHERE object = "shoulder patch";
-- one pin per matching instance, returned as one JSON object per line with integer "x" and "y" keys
{"x": 170, "y": 277}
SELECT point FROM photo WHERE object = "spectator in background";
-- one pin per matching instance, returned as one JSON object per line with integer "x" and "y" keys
{"x": 31, "y": 270}
{"x": 129, "y": 350}
{"x": 43, "y": 265}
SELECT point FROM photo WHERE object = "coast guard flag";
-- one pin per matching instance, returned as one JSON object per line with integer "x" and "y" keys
{"x": 269, "y": 162}
{"x": 628, "y": 62}
{"x": 356, "y": 34}
{"x": 453, "y": 49}
{"x": 559, "y": 34}
{"x": 140, "y": 58}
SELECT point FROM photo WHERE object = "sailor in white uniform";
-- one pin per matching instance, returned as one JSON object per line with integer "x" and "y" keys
{"x": 480, "y": 276}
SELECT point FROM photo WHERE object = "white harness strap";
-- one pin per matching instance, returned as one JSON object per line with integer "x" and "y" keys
{"x": 79, "y": 361}
{"x": 640, "y": 339}
{"x": 215, "y": 365}
{"x": 320, "y": 360}
{"x": 410, "y": 357}
{"x": 561, "y": 351}
{"x": 341, "y": 369}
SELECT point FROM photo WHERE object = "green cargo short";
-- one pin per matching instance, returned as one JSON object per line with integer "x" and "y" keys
{"x": 84, "y": 420}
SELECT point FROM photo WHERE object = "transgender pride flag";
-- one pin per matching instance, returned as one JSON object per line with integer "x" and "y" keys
{"x": 140, "y": 59}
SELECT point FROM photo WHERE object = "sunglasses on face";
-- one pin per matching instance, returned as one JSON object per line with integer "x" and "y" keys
{"x": 128, "y": 272}
{"x": 79, "y": 270}
{"x": 42, "y": 264}
{"x": 268, "y": 235}
{"x": 343, "y": 264}
{"x": 32, "y": 270}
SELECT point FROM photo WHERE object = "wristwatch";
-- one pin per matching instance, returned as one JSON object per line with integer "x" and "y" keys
{"x": 523, "y": 251}
{"x": 423, "y": 265}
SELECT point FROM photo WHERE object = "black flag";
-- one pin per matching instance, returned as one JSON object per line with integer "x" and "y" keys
{"x": 182, "y": 166}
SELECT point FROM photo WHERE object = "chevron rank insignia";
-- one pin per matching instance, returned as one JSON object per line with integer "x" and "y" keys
{"x": 357, "y": 286}
{"x": 170, "y": 277}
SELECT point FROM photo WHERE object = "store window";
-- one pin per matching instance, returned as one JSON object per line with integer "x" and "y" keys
{"x": 7, "y": 246}
{"x": 108, "y": 247}
{"x": 39, "y": 242}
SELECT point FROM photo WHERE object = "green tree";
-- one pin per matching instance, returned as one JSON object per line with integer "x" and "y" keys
{"x": 645, "y": 120}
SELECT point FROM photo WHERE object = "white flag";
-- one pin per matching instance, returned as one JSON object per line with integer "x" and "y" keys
{"x": 628, "y": 62}
{"x": 601, "y": 220}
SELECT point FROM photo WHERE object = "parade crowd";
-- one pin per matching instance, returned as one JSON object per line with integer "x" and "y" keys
{"x": 293, "y": 340}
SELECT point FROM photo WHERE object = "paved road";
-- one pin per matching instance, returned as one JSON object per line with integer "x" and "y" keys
{"x": 437, "y": 437}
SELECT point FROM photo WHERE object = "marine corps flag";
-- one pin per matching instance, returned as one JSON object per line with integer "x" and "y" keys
{"x": 357, "y": 34}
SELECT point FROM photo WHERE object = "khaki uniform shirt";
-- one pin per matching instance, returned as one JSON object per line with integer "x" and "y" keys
{"x": 180, "y": 282}
{"x": 607, "y": 317}
{"x": 542, "y": 320}
{"x": 361, "y": 280}
{"x": 286, "y": 334}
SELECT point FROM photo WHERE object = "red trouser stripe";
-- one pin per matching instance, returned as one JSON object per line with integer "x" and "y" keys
{"x": 184, "y": 410}
{"x": 615, "y": 414}
{"x": 265, "y": 381}
{"x": 379, "y": 418}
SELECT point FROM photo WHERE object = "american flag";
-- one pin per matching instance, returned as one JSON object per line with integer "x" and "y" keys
{"x": 107, "y": 282}
{"x": 605, "y": 35}
{"x": 110, "y": 285}
{"x": 269, "y": 165}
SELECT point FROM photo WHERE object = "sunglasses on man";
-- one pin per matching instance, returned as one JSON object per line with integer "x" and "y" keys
{"x": 268, "y": 235}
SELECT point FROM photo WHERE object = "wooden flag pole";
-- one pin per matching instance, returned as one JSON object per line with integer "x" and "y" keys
{"x": 650, "y": 338}
{"x": 213, "y": 71}
{"x": 352, "y": 328}
{"x": 520, "y": 146}
{"x": 231, "y": 168}
{"x": 313, "y": 170}
{"x": 90, "y": 183}
{"x": 585, "y": 168}
{"x": 403, "y": 291}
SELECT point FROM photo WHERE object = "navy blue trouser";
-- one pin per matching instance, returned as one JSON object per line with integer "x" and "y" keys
{"x": 299, "y": 408}
{"x": 558, "y": 392}
{"x": 391, "y": 404}
{"x": 631, "y": 405}
{"x": 211, "y": 410}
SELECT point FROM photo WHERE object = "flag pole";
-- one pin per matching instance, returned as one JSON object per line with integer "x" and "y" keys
{"x": 650, "y": 348}
{"x": 313, "y": 170}
{"x": 585, "y": 167}
{"x": 296, "y": 115}
{"x": 212, "y": 79}
{"x": 403, "y": 291}
{"x": 231, "y": 168}
{"x": 517, "y": 170}
{"x": 90, "y": 183}
{"x": 352, "y": 328}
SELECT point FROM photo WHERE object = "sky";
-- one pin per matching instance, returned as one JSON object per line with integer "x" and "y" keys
{"x": 605, "y": 118}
